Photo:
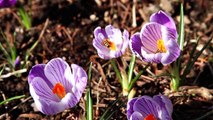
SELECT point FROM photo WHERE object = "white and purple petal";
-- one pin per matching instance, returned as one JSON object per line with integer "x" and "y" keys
{"x": 150, "y": 34}
{"x": 114, "y": 35}
{"x": 163, "y": 19}
{"x": 135, "y": 45}
{"x": 58, "y": 71}
{"x": 79, "y": 80}
{"x": 130, "y": 105}
{"x": 136, "y": 116}
{"x": 166, "y": 106}
{"x": 42, "y": 78}
{"x": 159, "y": 106}
{"x": 146, "y": 106}
{"x": 38, "y": 71}
{"x": 7, "y": 3}
{"x": 173, "y": 52}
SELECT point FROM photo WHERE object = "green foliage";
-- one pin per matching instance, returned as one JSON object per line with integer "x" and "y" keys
{"x": 114, "y": 107}
{"x": 193, "y": 57}
{"x": 89, "y": 108}
{"x": 9, "y": 52}
{"x": 12, "y": 98}
{"x": 175, "y": 75}
{"x": 181, "y": 28}
{"x": 25, "y": 18}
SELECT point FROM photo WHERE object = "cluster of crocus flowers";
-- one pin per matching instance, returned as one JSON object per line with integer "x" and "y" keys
{"x": 7, "y": 3}
{"x": 110, "y": 42}
{"x": 157, "y": 41}
{"x": 147, "y": 108}
{"x": 55, "y": 87}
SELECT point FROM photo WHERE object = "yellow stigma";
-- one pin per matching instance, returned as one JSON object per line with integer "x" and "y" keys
{"x": 160, "y": 45}
{"x": 59, "y": 90}
{"x": 107, "y": 43}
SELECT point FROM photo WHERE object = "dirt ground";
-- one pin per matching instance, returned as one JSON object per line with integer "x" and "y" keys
{"x": 64, "y": 28}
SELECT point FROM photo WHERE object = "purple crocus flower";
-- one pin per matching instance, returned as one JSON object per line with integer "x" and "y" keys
{"x": 17, "y": 62}
{"x": 146, "y": 108}
{"x": 110, "y": 42}
{"x": 157, "y": 41}
{"x": 55, "y": 87}
{"x": 7, "y": 3}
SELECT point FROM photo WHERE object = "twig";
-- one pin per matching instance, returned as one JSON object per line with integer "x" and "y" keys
{"x": 134, "y": 24}
{"x": 13, "y": 73}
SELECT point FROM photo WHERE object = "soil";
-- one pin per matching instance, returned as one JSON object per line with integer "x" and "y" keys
{"x": 64, "y": 28}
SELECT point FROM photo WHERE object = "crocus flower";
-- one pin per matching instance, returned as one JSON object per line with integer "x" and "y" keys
{"x": 110, "y": 42}
{"x": 55, "y": 87}
{"x": 157, "y": 41}
{"x": 146, "y": 108}
{"x": 17, "y": 62}
{"x": 7, "y": 3}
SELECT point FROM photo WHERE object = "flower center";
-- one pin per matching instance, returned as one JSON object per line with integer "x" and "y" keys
{"x": 161, "y": 46}
{"x": 59, "y": 90}
{"x": 150, "y": 117}
{"x": 107, "y": 43}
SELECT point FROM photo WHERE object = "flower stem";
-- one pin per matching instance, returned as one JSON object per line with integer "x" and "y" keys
{"x": 122, "y": 76}
{"x": 116, "y": 70}
{"x": 131, "y": 67}
{"x": 175, "y": 78}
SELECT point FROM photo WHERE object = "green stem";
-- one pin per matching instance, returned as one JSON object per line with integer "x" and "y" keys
{"x": 89, "y": 108}
{"x": 136, "y": 78}
{"x": 131, "y": 67}
{"x": 116, "y": 70}
{"x": 175, "y": 78}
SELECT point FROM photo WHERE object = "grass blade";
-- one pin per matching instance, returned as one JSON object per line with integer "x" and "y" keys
{"x": 131, "y": 67}
{"x": 111, "y": 110}
{"x": 26, "y": 20}
{"x": 181, "y": 28}
{"x": 136, "y": 78}
{"x": 190, "y": 64}
{"x": 89, "y": 108}
{"x": 12, "y": 98}
{"x": 116, "y": 70}
{"x": 2, "y": 69}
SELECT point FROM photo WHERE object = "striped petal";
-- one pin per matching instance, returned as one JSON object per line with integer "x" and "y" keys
{"x": 113, "y": 36}
{"x": 150, "y": 34}
{"x": 163, "y": 19}
{"x": 135, "y": 45}
{"x": 166, "y": 106}
{"x": 136, "y": 116}
{"x": 172, "y": 54}
{"x": 130, "y": 105}
{"x": 58, "y": 71}
{"x": 146, "y": 105}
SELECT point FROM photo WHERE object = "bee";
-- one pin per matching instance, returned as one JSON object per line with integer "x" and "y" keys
{"x": 106, "y": 43}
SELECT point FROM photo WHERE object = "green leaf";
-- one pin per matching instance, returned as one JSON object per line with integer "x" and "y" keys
{"x": 118, "y": 74}
{"x": 181, "y": 28}
{"x": 136, "y": 77}
{"x": 2, "y": 69}
{"x": 26, "y": 19}
{"x": 191, "y": 62}
{"x": 114, "y": 107}
{"x": 89, "y": 108}
{"x": 131, "y": 67}
{"x": 12, "y": 98}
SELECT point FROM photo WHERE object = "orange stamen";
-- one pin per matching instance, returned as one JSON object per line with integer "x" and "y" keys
{"x": 59, "y": 90}
{"x": 107, "y": 43}
{"x": 161, "y": 46}
{"x": 150, "y": 117}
